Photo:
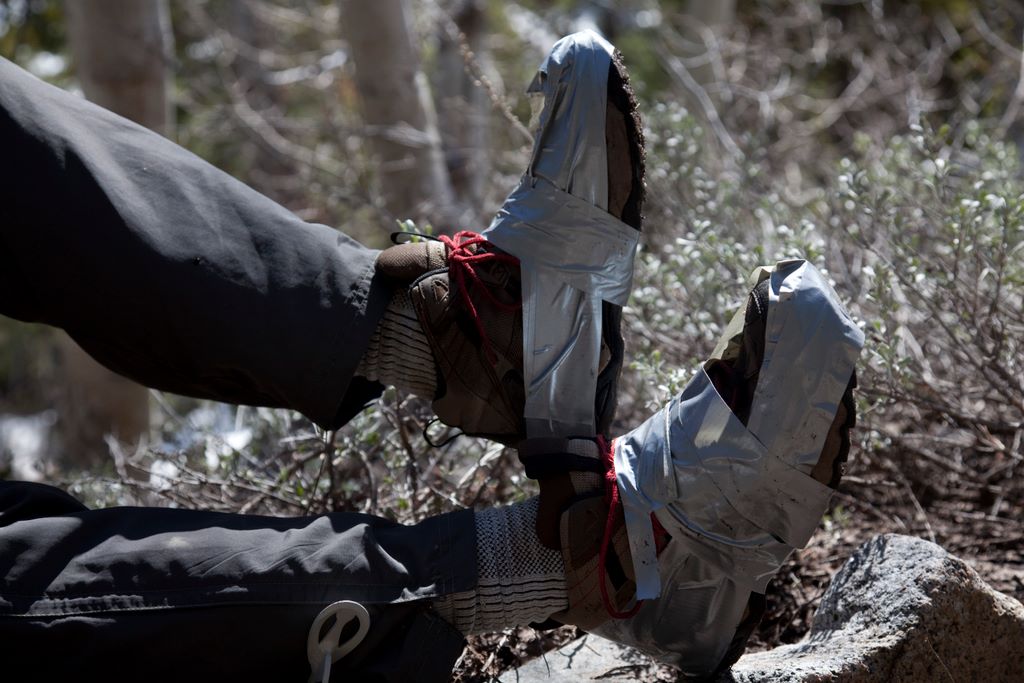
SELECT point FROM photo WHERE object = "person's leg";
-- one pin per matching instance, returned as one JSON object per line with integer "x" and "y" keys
{"x": 28, "y": 500}
{"x": 126, "y": 594}
{"x": 170, "y": 271}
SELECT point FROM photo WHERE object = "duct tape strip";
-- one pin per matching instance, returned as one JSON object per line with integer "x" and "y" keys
{"x": 701, "y": 471}
{"x": 573, "y": 256}
{"x": 569, "y": 147}
{"x": 807, "y": 329}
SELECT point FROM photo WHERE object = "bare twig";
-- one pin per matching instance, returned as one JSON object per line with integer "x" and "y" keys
{"x": 677, "y": 69}
{"x": 1013, "y": 109}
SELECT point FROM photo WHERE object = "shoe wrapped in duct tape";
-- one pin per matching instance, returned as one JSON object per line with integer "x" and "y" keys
{"x": 468, "y": 292}
{"x": 717, "y": 489}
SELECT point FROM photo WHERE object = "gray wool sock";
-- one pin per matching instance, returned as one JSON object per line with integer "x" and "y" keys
{"x": 399, "y": 354}
{"x": 518, "y": 580}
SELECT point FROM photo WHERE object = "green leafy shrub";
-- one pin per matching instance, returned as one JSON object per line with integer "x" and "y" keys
{"x": 922, "y": 236}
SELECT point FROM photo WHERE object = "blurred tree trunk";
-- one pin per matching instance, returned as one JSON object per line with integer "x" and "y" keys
{"x": 711, "y": 14}
{"x": 398, "y": 110}
{"x": 120, "y": 49}
{"x": 463, "y": 105}
{"x": 269, "y": 172}
{"x": 707, "y": 16}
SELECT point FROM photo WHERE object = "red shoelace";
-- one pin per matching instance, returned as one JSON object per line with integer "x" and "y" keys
{"x": 611, "y": 492}
{"x": 462, "y": 261}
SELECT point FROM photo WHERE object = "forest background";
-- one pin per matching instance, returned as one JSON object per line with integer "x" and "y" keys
{"x": 881, "y": 140}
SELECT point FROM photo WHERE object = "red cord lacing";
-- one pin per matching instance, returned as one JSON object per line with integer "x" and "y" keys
{"x": 611, "y": 492}
{"x": 462, "y": 258}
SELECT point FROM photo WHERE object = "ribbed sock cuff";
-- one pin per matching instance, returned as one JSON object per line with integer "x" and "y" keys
{"x": 399, "y": 353}
{"x": 519, "y": 580}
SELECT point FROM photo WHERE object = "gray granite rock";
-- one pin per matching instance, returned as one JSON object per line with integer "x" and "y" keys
{"x": 901, "y": 609}
{"x": 588, "y": 659}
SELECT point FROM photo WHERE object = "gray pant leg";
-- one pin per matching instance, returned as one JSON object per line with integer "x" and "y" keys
{"x": 154, "y": 594}
{"x": 168, "y": 270}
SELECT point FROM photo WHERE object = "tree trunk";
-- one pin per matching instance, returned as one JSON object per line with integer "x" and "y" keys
{"x": 268, "y": 171}
{"x": 707, "y": 16}
{"x": 121, "y": 50}
{"x": 397, "y": 110}
{"x": 463, "y": 105}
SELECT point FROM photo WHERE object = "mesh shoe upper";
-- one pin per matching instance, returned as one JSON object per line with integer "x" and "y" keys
{"x": 474, "y": 326}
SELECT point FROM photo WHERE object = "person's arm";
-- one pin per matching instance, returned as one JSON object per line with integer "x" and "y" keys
{"x": 170, "y": 271}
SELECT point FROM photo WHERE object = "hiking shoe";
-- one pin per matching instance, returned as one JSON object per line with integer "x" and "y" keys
{"x": 735, "y": 467}
{"x": 467, "y": 297}
{"x": 600, "y": 574}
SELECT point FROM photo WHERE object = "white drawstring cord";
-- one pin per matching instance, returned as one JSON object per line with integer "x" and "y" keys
{"x": 322, "y": 652}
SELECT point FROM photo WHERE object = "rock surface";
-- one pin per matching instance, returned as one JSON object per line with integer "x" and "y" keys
{"x": 901, "y": 609}
{"x": 587, "y": 659}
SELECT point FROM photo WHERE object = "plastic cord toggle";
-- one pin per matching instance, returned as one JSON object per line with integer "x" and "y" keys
{"x": 324, "y": 651}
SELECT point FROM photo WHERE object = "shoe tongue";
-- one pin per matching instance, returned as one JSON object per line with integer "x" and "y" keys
{"x": 406, "y": 262}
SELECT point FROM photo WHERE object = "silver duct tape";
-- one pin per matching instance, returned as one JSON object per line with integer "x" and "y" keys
{"x": 810, "y": 329}
{"x": 574, "y": 254}
{"x": 590, "y": 249}
{"x": 569, "y": 149}
{"x": 736, "y": 500}
{"x": 722, "y": 485}
{"x": 693, "y": 628}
